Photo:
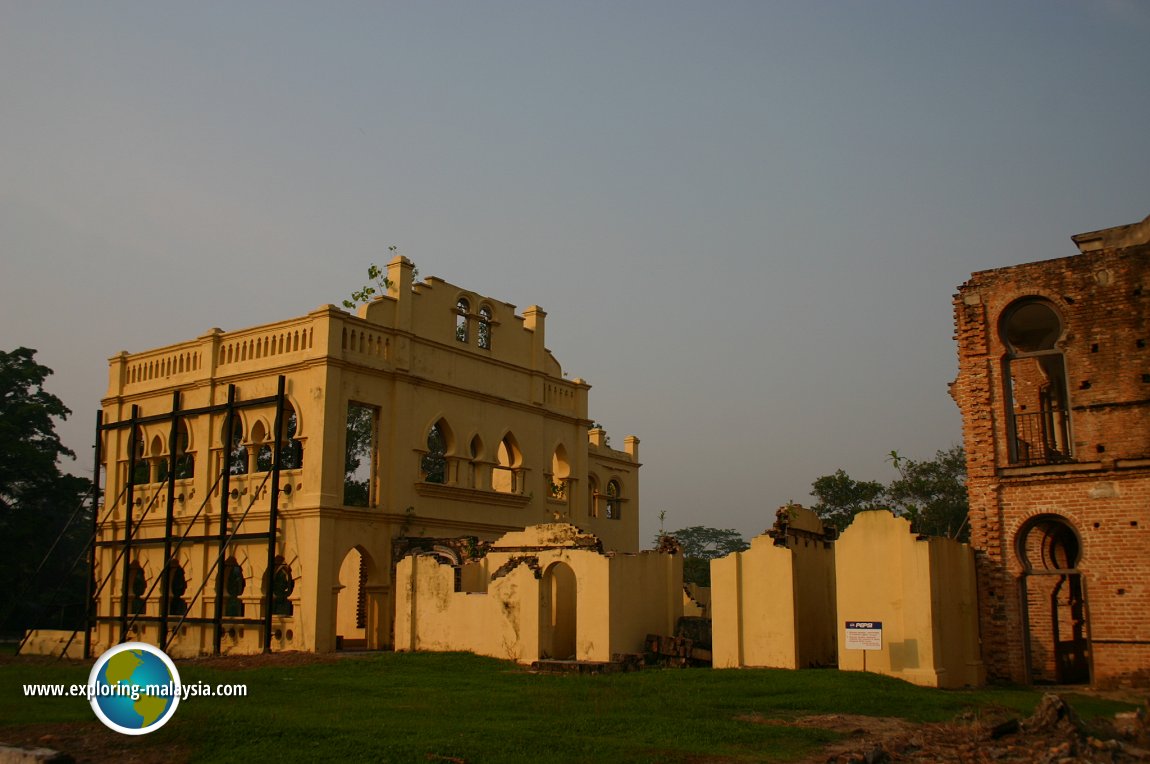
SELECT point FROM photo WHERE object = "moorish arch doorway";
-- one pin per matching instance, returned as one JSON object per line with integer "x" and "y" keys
{"x": 359, "y": 603}
{"x": 1055, "y": 615}
{"x": 557, "y": 612}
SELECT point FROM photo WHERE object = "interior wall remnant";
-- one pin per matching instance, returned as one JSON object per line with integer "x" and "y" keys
{"x": 547, "y": 592}
{"x": 773, "y": 605}
{"x": 922, "y": 591}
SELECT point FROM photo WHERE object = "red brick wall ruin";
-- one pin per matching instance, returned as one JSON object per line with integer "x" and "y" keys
{"x": 1057, "y": 434}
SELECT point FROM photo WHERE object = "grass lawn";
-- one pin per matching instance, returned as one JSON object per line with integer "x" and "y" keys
{"x": 443, "y": 707}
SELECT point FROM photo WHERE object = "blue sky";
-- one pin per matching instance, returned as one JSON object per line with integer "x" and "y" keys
{"x": 745, "y": 219}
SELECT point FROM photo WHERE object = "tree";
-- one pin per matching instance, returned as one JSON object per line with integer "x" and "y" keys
{"x": 37, "y": 501}
{"x": 932, "y": 494}
{"x": 378, "y": 283}
{"x": 841, "y": 497}
{"x": 700, "y": 545}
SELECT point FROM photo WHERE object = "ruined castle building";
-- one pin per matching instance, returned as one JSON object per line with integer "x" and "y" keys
{"x": 432, "y": 412}
{"x": 1054, "y": 389}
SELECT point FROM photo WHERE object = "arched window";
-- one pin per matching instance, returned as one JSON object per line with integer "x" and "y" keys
{"x": 177, "y": 588}
{"x": 505, "y": 477}
{"x": 262, "y": 438}
{"x": 1038, "y": 418}
{"x": 156, "y": 457}
{"x": 614, "y": 495}
{"x": 185, "y": 462}
{"x": 137, "y": 589}
{"x": 434, "y": 462}
{"x": 483, "y": 332}
{"x": 282, "y": 585}
{"x": 560, "y": 472}
{"x": 237, "y": 452}
{"x": 234, "y": 585}
{"x": 291, "y": 452}
{"x": 142, "y": 471}
{"x": 462, "y": 309}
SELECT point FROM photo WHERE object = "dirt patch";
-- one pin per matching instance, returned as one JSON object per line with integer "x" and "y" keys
{"x": 93, "y": 742}
{"x": 1052, "y": 735}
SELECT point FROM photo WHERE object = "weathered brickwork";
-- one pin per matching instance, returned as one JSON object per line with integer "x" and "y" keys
{"x": 1054, "y": 389}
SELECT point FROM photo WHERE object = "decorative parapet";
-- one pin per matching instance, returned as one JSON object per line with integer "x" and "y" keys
{"x": 325, "y": 333}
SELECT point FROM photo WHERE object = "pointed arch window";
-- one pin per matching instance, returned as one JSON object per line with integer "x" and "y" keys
{"x": 560, "y": 473}
{"x": 177, "y": 588}
{"x": 462, "y": 310}
{"x": 614, "y": 497}
{"x": 185, "y": 462}
{"x": 1034, "y": 371}
{"x": 262, "y": 438}
{"x": 291, "y": 451}
{"x": 141, "y": 470}
{"x": 282, "y": 585}
{"x": 507, "y": 475}
{"x": 434, "y": 462}
{"x": 483, "y": 331}
{"x": 137, "y": 590}
{"x": 237, "y": 453}
{"x": 234, "y": 585}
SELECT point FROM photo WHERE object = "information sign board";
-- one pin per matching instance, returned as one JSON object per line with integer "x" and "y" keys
{"x": 864, "y": 635}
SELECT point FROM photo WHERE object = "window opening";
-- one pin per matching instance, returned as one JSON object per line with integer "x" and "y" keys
{"x": 177, "y": 587}
{"x": 560, "y": 472}
{"x": 263, "y": 448}
{"x": 359, "y": 455}
{"x": 1035, "y": 374}
{"x": 237, "y": 451}
{"x": 613, "y": 497}
{"x": 291, "y": 450}
{"x": 283, "y": 584}
{"x": 137, "y": 590}
{"x": 462, "y": 308}
{"x": 234, "y": 585}
{"x": 434, "y": 462}
{"x": 505, "y": 477}
{"x": 142, "y": 472}
{"x": 483, "y": 332}
{"x": 185, "y": 462}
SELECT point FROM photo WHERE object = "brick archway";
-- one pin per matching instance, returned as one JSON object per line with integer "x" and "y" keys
{"x": 1055, "y": 614}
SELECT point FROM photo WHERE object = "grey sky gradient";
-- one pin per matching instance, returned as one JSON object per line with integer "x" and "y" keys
{"x": 745, "y": 219}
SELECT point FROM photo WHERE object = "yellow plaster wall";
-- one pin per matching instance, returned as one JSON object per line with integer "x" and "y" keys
{"x": 921, "y": 591}
{"x": 696, "y": 601}
{"x": 620, "y": 598}
{"x": 774, "y": 606}
{"x": 399, "y": 355}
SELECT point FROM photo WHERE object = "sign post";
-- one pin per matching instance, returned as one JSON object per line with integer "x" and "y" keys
{"x": 865, "y": 636}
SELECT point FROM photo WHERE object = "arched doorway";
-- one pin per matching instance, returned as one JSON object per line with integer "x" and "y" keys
{"x": 352, "y": 619}
{"x": 1054, "y": 602}
{"x": 558, "y": 597}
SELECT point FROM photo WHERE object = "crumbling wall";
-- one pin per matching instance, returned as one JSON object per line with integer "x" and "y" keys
{"x": 431, "y": 615}
{"x": 546, "y": 592}
{"x": 1100, "y": 489}
{"x": 922, "y": 590}
{"x": 774, "y": 605}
